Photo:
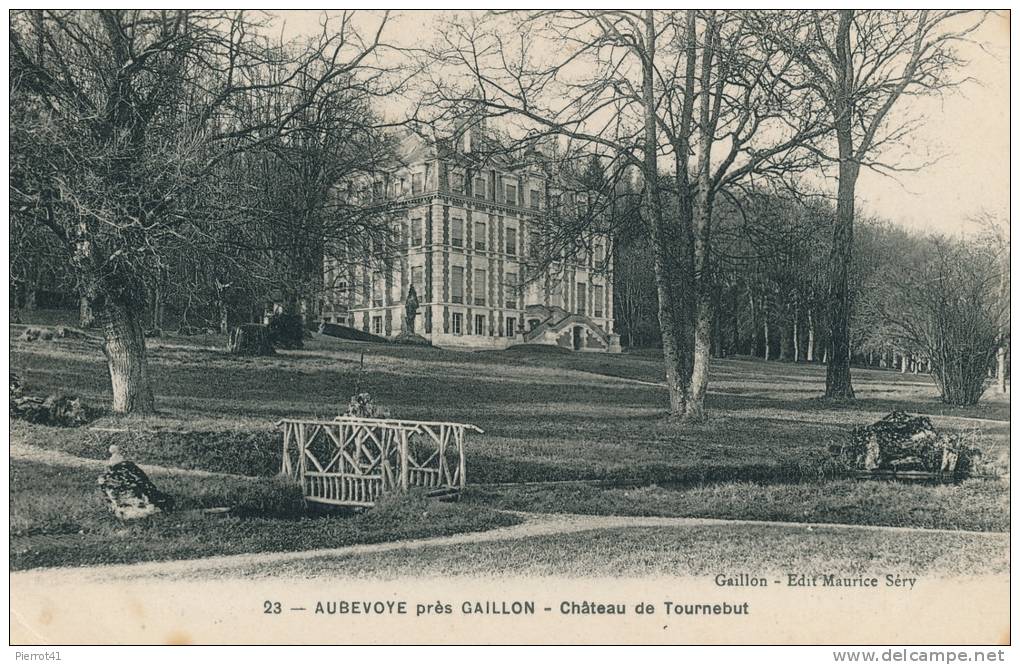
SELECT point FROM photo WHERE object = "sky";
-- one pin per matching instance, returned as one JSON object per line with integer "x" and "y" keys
{"x": 965, "y": 132}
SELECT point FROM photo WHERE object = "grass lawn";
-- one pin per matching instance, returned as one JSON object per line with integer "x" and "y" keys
{"x": 546, "y": 416}
{"x": 708, "y": 550}
{"x": 59, "y": 519}
{"x": 975, "y": 505}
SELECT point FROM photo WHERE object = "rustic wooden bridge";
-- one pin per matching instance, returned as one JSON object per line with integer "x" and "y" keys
{"x": 352, "y": 461}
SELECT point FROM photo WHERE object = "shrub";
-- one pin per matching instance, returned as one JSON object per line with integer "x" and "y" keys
{"x": 949, "y": 306}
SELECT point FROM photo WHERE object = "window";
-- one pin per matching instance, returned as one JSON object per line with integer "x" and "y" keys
{"x": 600, "y": 252}
{"x": 479, "y": 235}
{"x": 479, "y": 286}
{"x": 377, "y": 191}
{"x": 417, "y": 233}
{"x": 511, "y": 290}
{"x": 554, "y": 201}
{"x": 479, "y": 324}
{"x": 457, "y": 183}
{"x": 511, "y": 326}
{"x": 457, "y": 284}
{"x": 511, "y": 193}
{"x": 457, "y": 323}
{"x": 377, "y": 325}
{"x": 582, "y": 298}
{"x": 457, "y": 232}
{"x": 418, "y": 281}
{"x": 597, "y": 294}
{"x": 377, "y": 289}
{"x": 511, "y": 240}
{"x": 480, "y": 188}
{"x": 536, "y": 199}
{"x": 417, "y": 183}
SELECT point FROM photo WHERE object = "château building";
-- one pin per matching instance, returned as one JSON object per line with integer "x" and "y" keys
{"x": 468, "y": 237}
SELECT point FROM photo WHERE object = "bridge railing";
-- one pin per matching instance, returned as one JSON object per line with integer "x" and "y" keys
{"x": 352, "y": 461}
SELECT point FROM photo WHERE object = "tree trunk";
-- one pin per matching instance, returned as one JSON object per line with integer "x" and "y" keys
{"x": 837, "y": 376}
{"x": 1000, "y": 365}
{"x": 796, "y": 337}
{"x": 766, "y": 333}
{"x": 157, "y": 307}
{"x": 30, "y": 296}
{"x": 224, "y": 316}
{"x": 784, "y": 335}
{"x": 717, "y": 338}
{"x": 810, "y": 337}
{"x": 124, "y": 347}
{"x": 86, "y": 317}
{"x": 699, "y": 375}
{"x": 735, "y": 320}
{"x": 754, "y": 321}
{"x": 670, "y": 264}
{"x": 705, "y": 286}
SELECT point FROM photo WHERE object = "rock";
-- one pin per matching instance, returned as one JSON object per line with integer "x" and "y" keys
{"x": 56, "y": 409}
{"x": 129, "y": 492}
{"x": 901, "y": 442}
{"x": 63, "y": 332}
{"x": 897, "y": 436}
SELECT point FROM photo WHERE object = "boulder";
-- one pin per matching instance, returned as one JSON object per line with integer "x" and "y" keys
{"x": 901, "y": 442}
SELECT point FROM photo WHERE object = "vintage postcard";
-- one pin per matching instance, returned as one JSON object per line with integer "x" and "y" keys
{"x": 530, "y": 326}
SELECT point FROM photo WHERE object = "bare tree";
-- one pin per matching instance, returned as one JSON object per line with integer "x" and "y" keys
{"x": 696, "y": 88}
{"x": 860, "y": 64}
{"x": 126, "y": 115}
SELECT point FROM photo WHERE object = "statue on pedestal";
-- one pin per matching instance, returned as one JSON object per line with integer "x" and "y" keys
{"x": 410, "y": 309}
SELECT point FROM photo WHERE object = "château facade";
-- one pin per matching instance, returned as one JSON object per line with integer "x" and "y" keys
{"x": 467, "y": 236}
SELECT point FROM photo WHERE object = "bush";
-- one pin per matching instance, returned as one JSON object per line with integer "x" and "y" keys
{"x": 287, "y": 331}
{"x": 950, "y": 307}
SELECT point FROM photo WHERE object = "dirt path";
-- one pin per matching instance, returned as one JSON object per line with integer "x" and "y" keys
{"x": 534, "y": 525}
{"x": 29, "y": 453}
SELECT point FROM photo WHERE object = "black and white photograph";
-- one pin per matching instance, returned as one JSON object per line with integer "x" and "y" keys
{"x": 510, "y": 326}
